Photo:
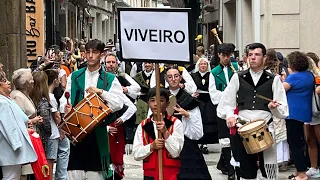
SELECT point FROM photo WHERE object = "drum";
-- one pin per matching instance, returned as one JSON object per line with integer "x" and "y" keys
{"x": 84, "y": 118}
{"x": 256, "y": 136}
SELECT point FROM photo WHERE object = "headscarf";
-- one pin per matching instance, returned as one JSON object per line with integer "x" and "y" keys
{"x": 196, "y": 69}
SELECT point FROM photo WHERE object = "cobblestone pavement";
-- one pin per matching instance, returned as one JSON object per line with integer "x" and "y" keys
{"x": 133, "y": 169}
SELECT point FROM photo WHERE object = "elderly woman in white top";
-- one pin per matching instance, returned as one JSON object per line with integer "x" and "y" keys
{"x": 15, "y": 143}
{"x": 202, "y": 78}
{"x": 23, "y": 84}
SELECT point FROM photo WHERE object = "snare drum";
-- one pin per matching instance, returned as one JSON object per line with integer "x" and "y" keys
{"x": 84, "y": 118}
{"x": 256, "y": 136}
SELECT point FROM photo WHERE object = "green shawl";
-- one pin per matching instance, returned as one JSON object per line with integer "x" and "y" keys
{"x": 104, "y": 82}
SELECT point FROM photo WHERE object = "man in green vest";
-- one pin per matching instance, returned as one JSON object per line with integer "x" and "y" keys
{"x": 222, "y": 75}
{"x": 91, "y": 158}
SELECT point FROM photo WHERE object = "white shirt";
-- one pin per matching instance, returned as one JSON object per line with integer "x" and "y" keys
{"x": 225, "y": 71}
{"x": 131, "y": 108}
{"x": 134, "y": 69}
{"x": 192, "y": 126}
{"x": 112, "y": 97}
{"x": 215, "y": 95}
{"x": 54, "y": 108}
{"x": 228, "y": 100}
{"x": 190, "y": 86}
{"x": 173, "y": 144}
{"x": 134, "y": 88}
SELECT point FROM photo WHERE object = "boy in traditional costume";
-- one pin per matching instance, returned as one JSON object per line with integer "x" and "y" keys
{"x": 91, "y": 158}
{"x": 146, "y": 141}
{"x": 222, "y": 75}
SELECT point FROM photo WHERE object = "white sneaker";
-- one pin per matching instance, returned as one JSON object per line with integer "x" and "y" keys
{"x": 313, "y": 173}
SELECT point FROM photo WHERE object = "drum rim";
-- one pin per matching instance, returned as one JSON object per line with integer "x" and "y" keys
{"x": 253, "y": 129}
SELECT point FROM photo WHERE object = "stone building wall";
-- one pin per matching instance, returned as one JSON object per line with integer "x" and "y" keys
{"x": 13, "y": 35}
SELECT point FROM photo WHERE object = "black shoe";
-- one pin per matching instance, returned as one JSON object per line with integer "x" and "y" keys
{"x": 222, "y": 169}
{"x": 204, "y": 150}
{"x": 232, "y": 177}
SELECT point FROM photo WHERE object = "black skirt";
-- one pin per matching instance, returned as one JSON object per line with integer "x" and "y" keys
{"x": 209, "y": 120}
{"x": 193, "y": 165}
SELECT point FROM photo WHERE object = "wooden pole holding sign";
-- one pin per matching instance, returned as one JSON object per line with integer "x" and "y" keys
{"x": 160, "y": 166}
{"x": 160, "y": 31}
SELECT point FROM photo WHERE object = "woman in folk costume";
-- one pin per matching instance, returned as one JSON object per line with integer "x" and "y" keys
{"x": 143, "y": 79}
{"x": 283, "y": 153}
{"x": 186, "y": 83}
{"x": 242, "y": 92}
{"x": 91, "y": 158}
{"x": 202, "y": 77}
{"x": 193, "y": 165}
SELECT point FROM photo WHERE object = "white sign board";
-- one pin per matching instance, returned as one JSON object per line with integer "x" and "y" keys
{"x": 157, "y": 35}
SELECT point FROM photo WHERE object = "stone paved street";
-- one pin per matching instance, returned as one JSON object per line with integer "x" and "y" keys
{"x": 133, "y": 169}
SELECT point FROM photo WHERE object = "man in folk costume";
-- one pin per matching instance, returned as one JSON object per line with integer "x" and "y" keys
{"x": 242, "y": 91}
{"x": 193, "y": 165}
{"x": 90, "y": 159}
{"x": 143, "y": 79}
{"x": 202, "y": 78}
{"x": 222, "y": 75}
{"x": 130, "y": 88}
{"x": 117, "y": 137}
{"x": 146, "y": 142}
{"x": 187, "y": 82}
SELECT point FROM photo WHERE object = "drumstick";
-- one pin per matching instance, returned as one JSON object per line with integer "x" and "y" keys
{"x": 67, "y": 96}
{"x": 265, "y": 98}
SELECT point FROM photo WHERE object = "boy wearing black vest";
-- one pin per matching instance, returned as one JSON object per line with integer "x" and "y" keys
{"x": 243, "y": 91}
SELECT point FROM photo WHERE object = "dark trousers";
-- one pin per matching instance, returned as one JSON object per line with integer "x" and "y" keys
{"x": 296, "y": 141}
{"x": 248, "y": 162}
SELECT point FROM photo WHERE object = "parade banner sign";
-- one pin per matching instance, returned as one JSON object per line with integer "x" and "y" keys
{"x": 34, "y": 29}
{"x": 155, "y": 35}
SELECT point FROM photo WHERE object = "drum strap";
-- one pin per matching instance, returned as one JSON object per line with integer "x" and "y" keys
{"x": 270, "y": 121}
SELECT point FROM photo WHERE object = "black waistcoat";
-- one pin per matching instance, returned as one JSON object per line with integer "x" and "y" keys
{"x": 247, "y": 99}
{"x": 198, "y": 79}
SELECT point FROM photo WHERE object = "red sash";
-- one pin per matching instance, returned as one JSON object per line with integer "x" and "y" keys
{"x": 117, "y": 144}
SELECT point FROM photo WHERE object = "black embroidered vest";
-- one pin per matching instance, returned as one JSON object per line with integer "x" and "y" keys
{"x": 246, "y": 97}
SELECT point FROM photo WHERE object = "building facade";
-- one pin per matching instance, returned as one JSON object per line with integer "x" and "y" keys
{"x": 286, "y": 25}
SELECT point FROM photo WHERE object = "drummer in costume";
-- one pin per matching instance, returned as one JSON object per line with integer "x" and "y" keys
{"x": 187, "y": 82}
{"x": 143, "y": 79}
{"x": 242, "y": 91}
{"x": 193, "y": 165}
{"x": 201, "y": 77}
{"x": 222, "y": 75}
{"x": 146, "y": 141}
{"x": 91, "y": 158}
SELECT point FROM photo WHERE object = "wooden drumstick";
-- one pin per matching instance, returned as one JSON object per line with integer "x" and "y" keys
{"x": 265, "y": 98}
{"x": 67, "y": 96}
